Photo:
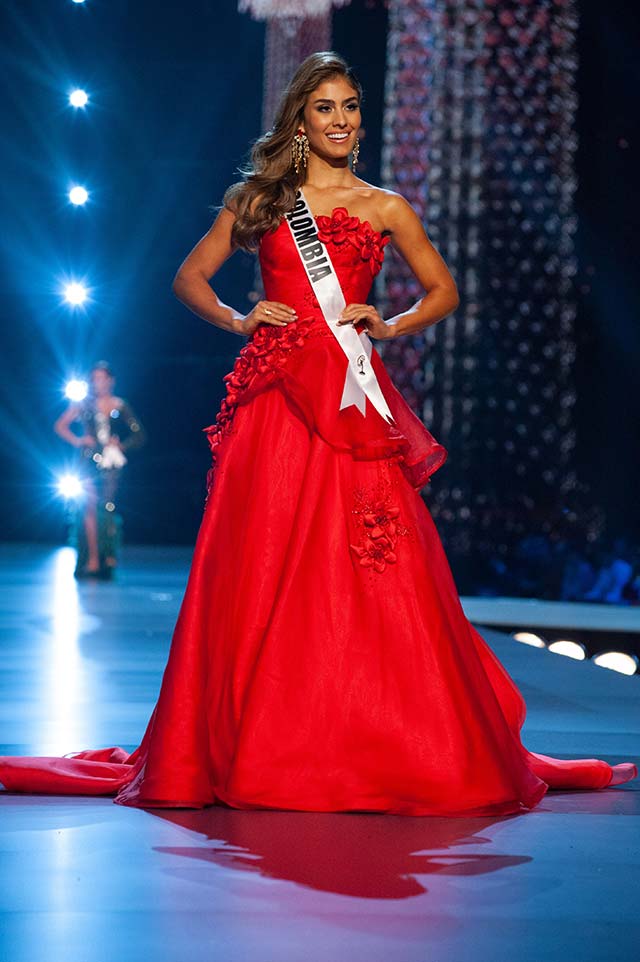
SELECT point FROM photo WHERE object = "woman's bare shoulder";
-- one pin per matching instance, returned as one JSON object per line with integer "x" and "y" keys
{"x": 394, "y": 204}
{"x": 388, "y": 204}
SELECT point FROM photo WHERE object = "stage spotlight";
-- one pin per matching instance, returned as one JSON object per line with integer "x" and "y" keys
{"x": 75, "y": 293}
{"x": 76, "y": 390}
{"x": 78, "y": 98}
{"x": 617, "y": 661}
{"x": 70, "y": 487}
{"x": 572, "y": 649}
{"x": 77, "y": 1}
{"x": 78, "y": 196}
{"x": 528, "y": 638}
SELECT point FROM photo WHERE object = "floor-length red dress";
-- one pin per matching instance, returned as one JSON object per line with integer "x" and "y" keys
{"x": 321, "y": 660}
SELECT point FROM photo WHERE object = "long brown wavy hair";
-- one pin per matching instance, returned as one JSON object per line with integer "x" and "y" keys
{"x": 267, "y": 191}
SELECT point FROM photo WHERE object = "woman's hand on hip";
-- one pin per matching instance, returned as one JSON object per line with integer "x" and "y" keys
{"x": 366, "y": 314}
{"x": 268, "y": 312}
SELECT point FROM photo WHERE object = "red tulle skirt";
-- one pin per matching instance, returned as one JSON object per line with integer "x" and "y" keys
{"x": 321, "y": 660}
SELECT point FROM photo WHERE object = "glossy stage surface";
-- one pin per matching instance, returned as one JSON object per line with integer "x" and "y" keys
{"x": 85, "y": 880}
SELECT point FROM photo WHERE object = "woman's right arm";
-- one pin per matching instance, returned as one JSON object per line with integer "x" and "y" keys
{"x": 191, "y": 283}
{"x": 62, "y": 427}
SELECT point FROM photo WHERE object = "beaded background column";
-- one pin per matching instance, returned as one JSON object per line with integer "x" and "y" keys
{"x": 288, "y": 40}
{"x": 479, "y": 136}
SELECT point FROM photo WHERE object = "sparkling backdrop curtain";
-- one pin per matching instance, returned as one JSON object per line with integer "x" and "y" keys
{"x": 479, "y": 136}
{"x": 288, "y": 41}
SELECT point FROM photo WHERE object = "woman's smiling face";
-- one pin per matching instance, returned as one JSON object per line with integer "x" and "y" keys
{"x": 101, "y": 382}
{"x": 332, "y": 119}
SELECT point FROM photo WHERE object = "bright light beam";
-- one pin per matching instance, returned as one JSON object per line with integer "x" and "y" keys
{"x": 76, "y": 389}
{"x": 70, "y": 487}
{"x": 78, "y": 98}
{"x": 78, "y": 195}
{"x": 75, "y": 293}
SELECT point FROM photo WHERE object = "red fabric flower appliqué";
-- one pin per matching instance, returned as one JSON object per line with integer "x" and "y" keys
{"x": 341, "y": 227}
{"x": 337, "y": 227}
{"x": 380, "y": 529}
{"x": 261, "y": 357}
{"x": 375, "y": 554}
{"x": 371, "y": 245}
{"x": 382, "y": 520}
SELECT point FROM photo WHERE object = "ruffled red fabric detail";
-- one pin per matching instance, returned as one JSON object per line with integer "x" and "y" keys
{"x": 370, "y": 244}
{"x": 261, "y": 357}
{"x": 337, "y": 227}
{"x": 341, "y": 227}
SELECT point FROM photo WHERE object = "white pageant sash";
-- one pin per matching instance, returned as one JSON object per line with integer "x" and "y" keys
{"x": 360, "y": 378}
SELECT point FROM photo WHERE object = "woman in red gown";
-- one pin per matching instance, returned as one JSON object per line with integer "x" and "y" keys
{"x": 321, "y": 660}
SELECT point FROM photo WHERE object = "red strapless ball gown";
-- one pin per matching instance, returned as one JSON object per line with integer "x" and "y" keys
{"x": 321, "y": 660}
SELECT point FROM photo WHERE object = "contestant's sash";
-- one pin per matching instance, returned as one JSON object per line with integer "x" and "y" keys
{"x": 360, "y": 378}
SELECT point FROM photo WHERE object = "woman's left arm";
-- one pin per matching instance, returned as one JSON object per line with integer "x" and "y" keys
{"x": 410, "y": 239}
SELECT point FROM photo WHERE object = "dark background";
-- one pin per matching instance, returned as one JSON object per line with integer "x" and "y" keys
{"x": 608, "y": 209}
{"x": 175, "y": 103}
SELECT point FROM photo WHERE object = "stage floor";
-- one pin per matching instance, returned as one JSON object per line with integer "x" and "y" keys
{"x": 85, "y": 880}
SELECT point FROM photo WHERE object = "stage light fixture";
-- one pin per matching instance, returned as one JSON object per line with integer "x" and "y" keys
{"x": 571, "y": 649}
{"x": 617, "y": 661}
{"x": 76, "y": 389}
{"x": 75, "y": 293}
{"x": 528, "y": 638}
{"x": 70, "y": 487}
{"x": 78, "y": 98}
{"x": 78, "y": 195}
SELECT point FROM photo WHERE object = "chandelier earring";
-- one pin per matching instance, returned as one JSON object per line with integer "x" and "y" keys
{"x": 354, "y": 156}
{"x": 299, "y": 150}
